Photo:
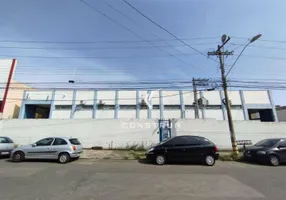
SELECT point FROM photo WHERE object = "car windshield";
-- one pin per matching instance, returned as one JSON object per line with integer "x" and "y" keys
{"x": 267, "y": 143}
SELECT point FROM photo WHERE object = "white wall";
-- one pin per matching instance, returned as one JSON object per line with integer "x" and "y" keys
{"x": 107, "y": 97}
{"x": 104, "y": 114}
{"x": 188, "y": 97}
{"x": 39, "y": 95}
{"x": 63, "y": 97}
{"x": 61, "y": 114}
{"x": 127, "y": 114}
{"x": 156, "y": 114}
{"x": 213, "y": 97}
{"x": 237, "y": 114}
{"x": 120, "y": 132}
{"x": 234, "y": 97}
{"x": 143, "y": 114}
{"x": 171, "y": 97}
{"x": 127, "y": 97}
{"x": 172, "y": 114}
{"x": 214, "y": 114}
{"x": 256, "y": 97}
{"x": 86, "y": 96}
{"x": 83, "y": 114}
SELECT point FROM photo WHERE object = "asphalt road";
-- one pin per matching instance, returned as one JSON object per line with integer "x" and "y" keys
{"x": 118, "y": 180}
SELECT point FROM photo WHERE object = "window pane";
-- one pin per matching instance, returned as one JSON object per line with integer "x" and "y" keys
{"x": 193, "y": 141}
{"x": 74, "y": 141}
{"x": 3, "y": 140}
{"x": 59, "y": 141}
{"x": 45, "y": 142}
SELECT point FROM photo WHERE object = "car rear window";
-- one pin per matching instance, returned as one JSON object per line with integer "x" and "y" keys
{"x": 5, "y": 140}
{"x": 74, "y": 141}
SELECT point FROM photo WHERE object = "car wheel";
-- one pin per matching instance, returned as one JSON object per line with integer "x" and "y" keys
{"x": 64, "y": 158}
{"x": 18, "y": 156}
{"x": 160, "y": 160}
{"x": 274, "y": 160}
{"x": 209, "y": 160}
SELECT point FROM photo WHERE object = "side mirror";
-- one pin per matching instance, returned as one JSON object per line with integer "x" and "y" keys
{"x": 33, "y": 145}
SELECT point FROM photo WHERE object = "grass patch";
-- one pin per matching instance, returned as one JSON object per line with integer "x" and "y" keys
{"x": 230, "y": 157}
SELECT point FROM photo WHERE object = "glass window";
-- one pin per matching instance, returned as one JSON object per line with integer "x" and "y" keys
{"x": 193, "y": 140}
{"x": 177, "y": 141}
{"x": 267, "y": 143}
{"x": 5, "y": 140}
{"x": 74, "y": 141}
{"x": 45, "y": 142}
{"x": 282, "y": 143}
{"x": 59, "y": 141}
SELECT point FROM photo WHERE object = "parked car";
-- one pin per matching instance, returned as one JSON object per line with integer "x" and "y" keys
{"x": 184, "y": 149}
{"x": 271, "y": 151}
{"x": 62, "y": 149}
{"x": 6, "y": 146}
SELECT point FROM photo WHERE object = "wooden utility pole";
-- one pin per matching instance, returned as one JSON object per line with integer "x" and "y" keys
{"x": 221, "y": 55}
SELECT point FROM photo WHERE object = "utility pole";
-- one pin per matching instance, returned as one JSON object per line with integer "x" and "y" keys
{"x": 221, "y": 55}
{"x": 196, "y": 99}
{"x": 198, "y": 82}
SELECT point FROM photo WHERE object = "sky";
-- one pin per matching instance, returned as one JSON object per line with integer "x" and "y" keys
{"x": 61, "y": 40}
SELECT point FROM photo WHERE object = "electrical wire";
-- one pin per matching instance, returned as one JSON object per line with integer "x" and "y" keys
{"x": 135, "y": 34}
{"x": 152, "y": 21}
{"x": 134, "y": 22}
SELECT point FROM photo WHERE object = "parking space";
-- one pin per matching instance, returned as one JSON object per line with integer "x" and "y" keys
{"x": 110, "y": 179}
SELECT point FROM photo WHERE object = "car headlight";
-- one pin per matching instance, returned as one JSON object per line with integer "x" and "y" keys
{"x": 261, "y": 152}
{"x": 150, "y": 150}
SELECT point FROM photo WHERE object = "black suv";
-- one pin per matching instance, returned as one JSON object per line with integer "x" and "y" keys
{"x": 184, "y": 149}
{"x": 272, "y": 151}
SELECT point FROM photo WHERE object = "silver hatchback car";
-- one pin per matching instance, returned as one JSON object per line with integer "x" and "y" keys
{"x": 62, "y": 149}
{"x": 6, "y": 146}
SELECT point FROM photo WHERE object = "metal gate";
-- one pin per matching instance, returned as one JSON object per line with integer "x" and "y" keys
{"x": 164, "y": 129}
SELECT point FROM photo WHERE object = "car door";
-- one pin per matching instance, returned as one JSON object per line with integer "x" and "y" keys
{"x": 282, "y": 150}
{"x": 59, "y": 145}
{"x": 41, "y": 149}
{"x": 193, "y": 148}
{"x": 175, "y": 149}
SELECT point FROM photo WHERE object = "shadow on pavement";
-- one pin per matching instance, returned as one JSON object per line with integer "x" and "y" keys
{"x": 146, "y": 162}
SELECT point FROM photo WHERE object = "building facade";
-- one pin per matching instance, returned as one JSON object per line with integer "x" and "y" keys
{"x": 123, "y": 104}
{"x": 11, "y": 91}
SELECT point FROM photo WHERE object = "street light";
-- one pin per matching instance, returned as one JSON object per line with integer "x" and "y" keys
{"x": 250, "y": 41}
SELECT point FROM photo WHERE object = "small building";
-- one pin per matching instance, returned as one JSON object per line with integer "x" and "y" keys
{"x": 10, "y": 97}
{"x": 131, "y": 104}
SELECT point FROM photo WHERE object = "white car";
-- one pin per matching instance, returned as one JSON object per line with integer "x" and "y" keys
{"x": 6, "y": 146}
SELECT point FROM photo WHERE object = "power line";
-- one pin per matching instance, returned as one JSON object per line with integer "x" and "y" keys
{"x": 130, "y": 19}
{"x": 132, "y": 32}
{"x": 99, "y": 48}
{"x": 127, "y": 57}
{"x": 149, "y": 19}
{"x": 102, "y": 42}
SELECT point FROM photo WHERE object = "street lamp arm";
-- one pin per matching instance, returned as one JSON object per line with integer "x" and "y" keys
{"x": 237, "y": 59}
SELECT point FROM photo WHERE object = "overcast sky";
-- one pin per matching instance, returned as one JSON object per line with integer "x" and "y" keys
{"x": 106, "y": 50}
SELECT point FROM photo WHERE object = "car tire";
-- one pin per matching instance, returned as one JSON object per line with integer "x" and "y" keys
{"x": 209, "y": 160}
{"x": 160, "y": 160}
{"x": 64, "y": 158}
{"x": 18, "y": 156}
{"x": 274, "y": 160}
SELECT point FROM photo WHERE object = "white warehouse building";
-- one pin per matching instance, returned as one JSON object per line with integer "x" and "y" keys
{"x": 123, "y": 104}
